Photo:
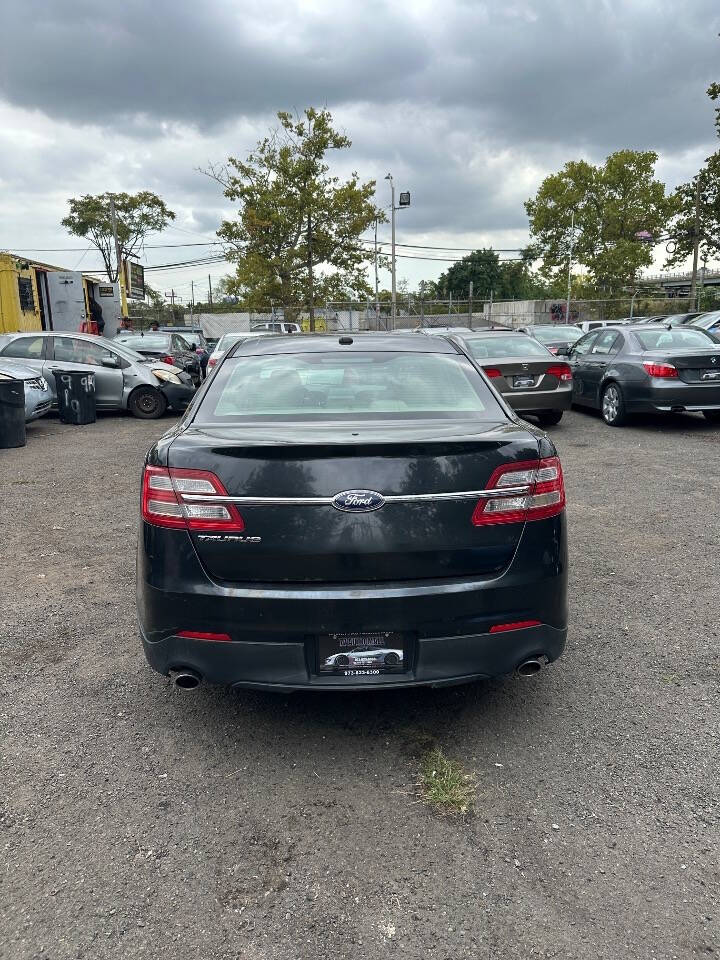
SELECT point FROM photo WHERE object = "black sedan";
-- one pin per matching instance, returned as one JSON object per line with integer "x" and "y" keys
{"x": 167, "y": 347}
{"x": 627, "y": 370}
{"x": 330, "y": 496}
{"x": 195, "y": 339}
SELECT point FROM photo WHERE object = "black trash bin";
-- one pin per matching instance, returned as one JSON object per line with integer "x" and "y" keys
{"x": 76, "y": 396}
{"x": 12, "y": 414}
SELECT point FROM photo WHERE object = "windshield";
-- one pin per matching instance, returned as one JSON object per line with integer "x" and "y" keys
{"x": 151, "y": 341}
{"x": 678, "y": 338}
{"x": 512, "y": 346}
{"x": 550, "y": 334}
{"x": 347, "y": 386}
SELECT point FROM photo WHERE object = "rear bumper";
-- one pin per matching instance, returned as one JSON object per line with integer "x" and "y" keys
{"x": 673, "y": 396}
{"x": 274, "y": 627}
{"x": 536, "y": 400}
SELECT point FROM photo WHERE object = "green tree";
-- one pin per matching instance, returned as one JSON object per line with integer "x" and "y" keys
{"x": 138, "y": 214}
{"x": 611, "y": 203}
{"x": 296, "y": 236}
{"x": 708, "y": 215}
{"x": 506, "y": 280}
{"x": 713, "y": 91}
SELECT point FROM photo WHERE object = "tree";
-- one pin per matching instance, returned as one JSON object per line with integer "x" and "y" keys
{"x": 611, "y": 203}
{"x": 506, "y": 280}
{"x": 137, "y": 215}
{"x": 296, "y": 237}
{"x": 713, "y": 91}
{"x": 705, "y": 187}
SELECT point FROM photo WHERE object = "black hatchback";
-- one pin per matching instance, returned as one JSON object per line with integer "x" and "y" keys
{"x": 171, "y": 348}
{"x": 348, "y": 513}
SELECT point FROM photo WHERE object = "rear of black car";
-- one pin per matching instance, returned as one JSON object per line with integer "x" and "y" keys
{"x": 351, "y": 514}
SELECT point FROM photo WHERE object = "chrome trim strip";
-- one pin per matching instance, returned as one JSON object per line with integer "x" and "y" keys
{"x": 393, "y": 498}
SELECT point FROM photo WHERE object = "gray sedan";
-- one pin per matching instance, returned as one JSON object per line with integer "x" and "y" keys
{"x": 38, "y": 395}
{"x": 124, "y": 380}
{"x": 524, "y": 371}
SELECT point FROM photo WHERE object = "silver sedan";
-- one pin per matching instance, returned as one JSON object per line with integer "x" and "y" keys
{"x": 38, "y": 395}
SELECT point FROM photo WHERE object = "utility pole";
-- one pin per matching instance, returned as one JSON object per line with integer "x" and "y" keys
{"x": 192, "y": 292}
{"x": 393, "y": 312}
{"x": 118, "y": 260}
{"x": 490, "y": 310}
{"x": 696, "y": 246}
{"x": 377, "y": 296}
{"x": 470, "y": 306}
{"x": 570, "y": 253}
{"x": 210, "y": 290}
{"x": 311, "y": 291}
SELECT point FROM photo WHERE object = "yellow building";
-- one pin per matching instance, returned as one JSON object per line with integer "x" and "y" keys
{"x": 19, "y": 298}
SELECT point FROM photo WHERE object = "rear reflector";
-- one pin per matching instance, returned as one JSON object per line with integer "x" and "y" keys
{"x": 665, "y": 371}
{"x": 518, "y": 625}
{"x": 492, "y": 372}
{"x": 166, "y": 501}
{"x": 560, "y": 370}
{"x": 202, "y": 635}
{"x": 544, "y": 497}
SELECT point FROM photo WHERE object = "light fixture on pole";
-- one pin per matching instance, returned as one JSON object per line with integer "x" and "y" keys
{"x": 393, "y": 309}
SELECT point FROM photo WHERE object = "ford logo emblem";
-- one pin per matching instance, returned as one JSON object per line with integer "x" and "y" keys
{"x": 358, "y": 501}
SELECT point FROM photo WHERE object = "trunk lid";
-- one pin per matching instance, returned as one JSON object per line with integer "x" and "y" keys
{"x": 315, "y": 541}
{"x": 693, "y": 366}
{"x": 518, "y": 375}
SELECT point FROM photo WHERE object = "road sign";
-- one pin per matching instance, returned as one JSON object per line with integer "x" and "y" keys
{"x": 134, "y": 280}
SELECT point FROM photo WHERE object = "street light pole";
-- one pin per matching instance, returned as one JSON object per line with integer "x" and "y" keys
{"x": 377, "y": 301}
{"x": 393, "y": 312}
{"x": 570, "y": 253}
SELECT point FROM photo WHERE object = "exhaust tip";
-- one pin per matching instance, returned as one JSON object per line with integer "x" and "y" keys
{"x": 528, "y": 668}
{"x": 185, "y": 678}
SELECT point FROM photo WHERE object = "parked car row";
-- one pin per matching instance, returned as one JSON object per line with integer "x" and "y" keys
{"x": 124, "y": 378}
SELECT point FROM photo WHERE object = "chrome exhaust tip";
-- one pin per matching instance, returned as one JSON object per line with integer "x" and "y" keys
{"x": 528, "y": 668}
{"x": 185, "y": 678}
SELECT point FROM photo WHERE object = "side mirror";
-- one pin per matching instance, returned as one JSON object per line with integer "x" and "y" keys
{"x": 111, "y": 362}
{"x": 563, "y": 351}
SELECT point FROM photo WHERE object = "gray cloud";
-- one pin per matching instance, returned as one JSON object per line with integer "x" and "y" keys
{"x": 469, "y": 103}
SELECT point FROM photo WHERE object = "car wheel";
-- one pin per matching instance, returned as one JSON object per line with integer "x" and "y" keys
{"x": 612, "y": 405}
{"x": 550, "y": 417}
{"x": 391, "y": 659}
{"x": 342, "y": 661}
{"x": 147, "y": 403}
{"x": 712, "y": 415}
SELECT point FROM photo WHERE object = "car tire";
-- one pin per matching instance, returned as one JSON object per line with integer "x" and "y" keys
{"x": 147, "y": 403}
{"x": 548, "y": 418}
{"x": 712, "y": 415}
{"x": 391, "y": 659}
{"x": 612, "y": 405}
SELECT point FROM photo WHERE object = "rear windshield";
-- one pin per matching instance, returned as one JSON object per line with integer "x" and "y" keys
{"x": 549, "y": 334}
{"x": 484, "y": 347}
{"x": 347, "y": 386}
{"x": 679, "y": 338}
{"x": 151, "y": 341}
{"x": 228, "y": 339}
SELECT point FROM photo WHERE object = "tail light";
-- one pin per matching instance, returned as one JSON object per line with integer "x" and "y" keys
{"x": 167, "y": 501}
{"x": 553, "y": 349}
{"x": 170, "y": 360}
{"x": 517, "y": 625}
{"x": 204, "y": 635}
{"x": 560, "y": 370}
{"x": 212, "y": 361}
{"x": 666, "y": 371}
{"x": 492, "y": 372}
{"x": 542, "y": 493}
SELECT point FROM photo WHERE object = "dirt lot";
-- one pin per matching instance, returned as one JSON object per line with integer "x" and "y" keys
{"x": 143, "y": 821}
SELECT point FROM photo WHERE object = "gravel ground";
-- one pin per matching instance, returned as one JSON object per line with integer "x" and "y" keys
{"x": 140, "y": 820}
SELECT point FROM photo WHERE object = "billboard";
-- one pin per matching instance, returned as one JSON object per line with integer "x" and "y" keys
{"x": 134, "y": 280}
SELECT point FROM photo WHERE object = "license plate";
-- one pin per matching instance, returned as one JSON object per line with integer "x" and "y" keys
{"x": 356, "y": 654}
{"x": 523, "y": 381}
{"x": 710, "y": 375}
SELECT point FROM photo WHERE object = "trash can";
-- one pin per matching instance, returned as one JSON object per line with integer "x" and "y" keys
{"x": 75, "y": 396}
{"x": 12, "y": 414}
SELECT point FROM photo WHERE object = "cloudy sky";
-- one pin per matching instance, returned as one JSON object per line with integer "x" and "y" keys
{"x": 469, "y": 103}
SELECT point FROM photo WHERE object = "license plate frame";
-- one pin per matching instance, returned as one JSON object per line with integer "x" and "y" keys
{"x": 523, "y": 381}
{"x": 358, "y": 653}
{"x": 710, "y": 376}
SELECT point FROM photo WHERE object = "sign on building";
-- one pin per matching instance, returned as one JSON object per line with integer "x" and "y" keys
{"x": 134, "y": 280}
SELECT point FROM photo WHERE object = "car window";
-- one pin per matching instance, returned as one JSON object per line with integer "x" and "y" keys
{"x": 581, "y": 347}
{"x": 607, "y": 342}
{"x": 31, "y": 348}
{"x": 551, "y": 334}
{"x": 77, "y": 350}
{"x": 180, "y": 343}
{"x": 227, "y": 340}
{"x": 500, "y": 346}
{"x": 151, "y": 341}
{"x": 677, "y": 338}
{"x": 347, "y": 386}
